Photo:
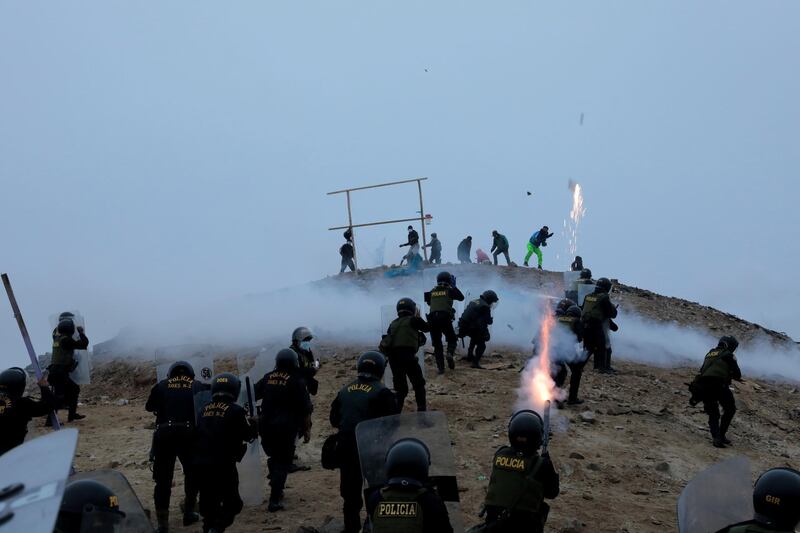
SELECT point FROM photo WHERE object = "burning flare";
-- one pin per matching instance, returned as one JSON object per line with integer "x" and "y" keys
{"x": 575, "y": 216}
{"x": 538, "y": 386}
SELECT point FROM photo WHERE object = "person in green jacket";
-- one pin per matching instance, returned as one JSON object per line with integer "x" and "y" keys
{"x": 712, "y": 387}
{"x": 500, "y": 246}
{"x": 776, "y": 501}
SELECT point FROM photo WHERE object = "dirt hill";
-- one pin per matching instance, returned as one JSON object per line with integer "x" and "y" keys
{"x": 624, "y": 456}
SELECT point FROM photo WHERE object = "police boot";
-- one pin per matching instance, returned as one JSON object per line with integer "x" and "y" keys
{"x": 162, "y": 517}
{"x": 713, "y": 425}
{"x": 275, "y": 503}
{"x": 723, "y": 427}
{"x": 451, "y": 362}
{"x": 189, "y": 515}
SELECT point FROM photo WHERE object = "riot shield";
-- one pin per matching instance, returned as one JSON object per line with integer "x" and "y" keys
{"x": 376, "y": 436}
{"x": 33, "y": 478}
{"x": 584, "y": 289}
{"x": 389, "y": 313}
{"x": 135, "y": 520}
{"x": 571, "y": 280}
{"x": 197, "y": 355}
{"x": 251, "y": 471}
{"x": 717, "y": 497}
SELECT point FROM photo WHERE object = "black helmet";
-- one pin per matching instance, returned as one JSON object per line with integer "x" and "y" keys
{"x": 91, "y": 501}
{"x": 226, "y": 385}
{"x": 66, "y": 315}
{"x": 563, "y": 305}
{"x": 180, "y": 368}
{"x": 287, "y": 359}
{"x": 433, "y": 235}
{"x": 300, "y": 334}
{"x": 494, "y": 232}
{"x": 586, "y": 274}
{"x": 525, "y": 430}
{"x": 406, "y": 305}
{"x": 444, "y": 277}
{"x": 603, "y": 285}
{"x": 469, "y": 237}
{"x": 66, "y": 327}
{"x": 407, "y": 462}
{"x": 729, "y": 342}
{"x": 776, "y": 498}
{"x": 490, "y": 297}
{"x": 574, "y": 311}
{"x": 371, "y": 365}
{"x": 13, "y": 381}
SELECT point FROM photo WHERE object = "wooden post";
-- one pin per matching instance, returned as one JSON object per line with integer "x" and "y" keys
{"x": 352, "y": 233}
{"x": 422, "y": 220}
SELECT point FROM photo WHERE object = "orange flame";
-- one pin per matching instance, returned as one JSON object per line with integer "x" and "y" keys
{"x": 538, "y": 386}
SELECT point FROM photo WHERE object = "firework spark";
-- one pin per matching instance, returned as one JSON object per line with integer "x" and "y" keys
{"x": 575, "y": 216}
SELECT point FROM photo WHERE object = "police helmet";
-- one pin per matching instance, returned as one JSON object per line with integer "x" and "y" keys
{"x": 371, "y": 365}
{"x": 408, "y": 462}
{"x": 525, "y": 431}
{"x": 603, "y": 285}
{"x": 13, "y": 381}
{"x": 729, "y": 342}
{"x": 66, "y": 315}
{"x": 489, "y": 297}
{"x": 66, "y": 327}
{"x": 586, "y": 273}
{"x": 574, "y": 311}
{"x": 494, "y": 232}
{"x": 287, "y": 359}
{"x": 776, "y": 498}
{"x": 226, "y": 385}
{"x": 88, "y": 505}
{"x": 406, "y": 305}
{"x": 563, "y": 305}
{"x": 444, "y": 277}
{"x": 180, "y": 368}
{"x": 301, "y": 334}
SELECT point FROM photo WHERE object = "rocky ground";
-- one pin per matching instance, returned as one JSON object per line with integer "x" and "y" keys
{"x": 624, "y": 456}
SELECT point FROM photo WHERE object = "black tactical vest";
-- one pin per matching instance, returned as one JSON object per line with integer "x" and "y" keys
{"x": 441, "y": 300}
{"x": 399, "y": 511}
{"x": 714, "y": 366}
{"x": 356, "y": 399}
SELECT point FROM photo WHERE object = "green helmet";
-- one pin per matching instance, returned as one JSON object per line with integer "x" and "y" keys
{"x": 776, "y": 498}
{"x": 525, "y": 431}
{"x": 408, "y": 462}
{"x": 407, "y": 306}
{"x": 371, "y": 364}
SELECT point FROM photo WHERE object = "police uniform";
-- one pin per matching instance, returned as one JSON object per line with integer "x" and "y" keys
{"x": 517, "y": 488}
{"x": 400, "y": 344}
{"x": 407, "y": 509}
{"x": 172, "y": 401}
{"x": 565, "y": 359}
{"x": 308, "y": 368}
{"x": 753, "y": 526}
{"x": 285, "y": 413}
{"x": 597, "y": 312}
{"x": 62, "y": 363}
{"x": 713, "y": 382}
{"x": 363, "y": 399}
{"x": 440, "y": 299}
{"x": 474, "y": 323}
{"x": 222, "y": 434}
{"x": 15, "y": 413}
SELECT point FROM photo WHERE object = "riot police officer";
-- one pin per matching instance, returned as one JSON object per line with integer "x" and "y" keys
{"x": 223, "y": 431}
{"x": 569, "y": 332}
{"x": 400, "y": 344}
{"x": 301, "y": 344}
{"x": 63, "y": 362}
{"x": 285, "y": 413}
{"x": 364, "y": 398}
{"x": 598, "y": 312}
{"x": 17, "y": 410}
{"x": 712, "y": 387}
{"x": 440, "y": 300}
{"x": 88, "y": 505}
{"x": 776, "y": 501}
{"x": 521, "y": 479}
{"x": 406, "y": 504}
{"x": 172, "y": 401}
{"x": 474, "y": 323}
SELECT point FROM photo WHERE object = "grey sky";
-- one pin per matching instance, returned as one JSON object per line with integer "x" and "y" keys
{"x": 157, "y": 156}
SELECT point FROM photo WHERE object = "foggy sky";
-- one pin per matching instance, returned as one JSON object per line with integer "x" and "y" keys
{"x": 159, "y": 156}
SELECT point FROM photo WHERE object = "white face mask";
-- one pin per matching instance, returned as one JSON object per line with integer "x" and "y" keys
{"x": 305, "y": 345}
{"x": 494, "y": 305}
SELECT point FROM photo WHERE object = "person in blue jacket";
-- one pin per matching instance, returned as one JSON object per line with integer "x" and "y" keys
{"x": 535, "y": 243}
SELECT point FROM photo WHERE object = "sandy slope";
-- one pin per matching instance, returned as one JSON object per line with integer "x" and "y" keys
{"x": 621, "y": 472}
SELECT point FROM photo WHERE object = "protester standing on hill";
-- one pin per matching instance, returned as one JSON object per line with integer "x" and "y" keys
{"x": 464, "y": 249}
{"x": 500, "y": 246}
{"x": 436, "y": 249}
{"x": 412, "y": 243}
{"x": 537, "y": 240}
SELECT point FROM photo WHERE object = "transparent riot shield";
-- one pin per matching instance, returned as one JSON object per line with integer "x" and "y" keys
{"x": 376, "y": 436}
{"x": 717, "y": 497}
{"x": 571, "y": 285}
{"x": 200, "y": 356}
{"x": 584, "y": 289}
{"x": 135, "y": 519}
{"x": 388, "y": 314}
{"x": 251, "y": 471}
{"x": 32, "y": 479}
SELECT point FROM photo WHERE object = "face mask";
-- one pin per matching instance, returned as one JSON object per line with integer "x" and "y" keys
{"x": 494, "y": 306}
{"x": 305, "y": 346}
